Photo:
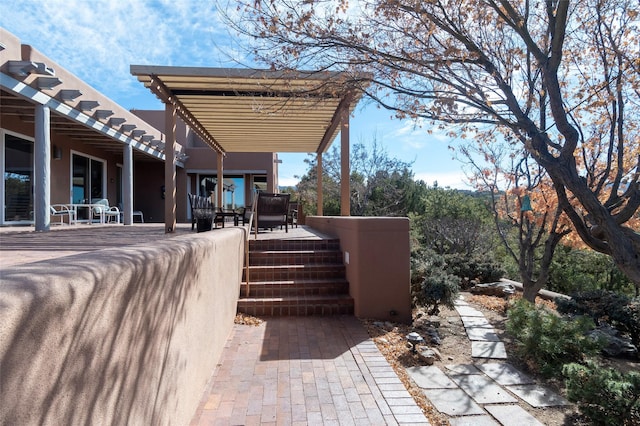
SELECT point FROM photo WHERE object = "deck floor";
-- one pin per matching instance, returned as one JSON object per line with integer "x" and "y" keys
{"x": 21, "y": 244}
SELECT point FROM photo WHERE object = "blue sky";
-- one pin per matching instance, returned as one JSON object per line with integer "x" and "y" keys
{"x": 97, "y": 40}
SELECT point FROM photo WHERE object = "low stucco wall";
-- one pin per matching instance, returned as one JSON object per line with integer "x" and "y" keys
{"x": 377, "y": 256}
{"x": 120, "y": 336}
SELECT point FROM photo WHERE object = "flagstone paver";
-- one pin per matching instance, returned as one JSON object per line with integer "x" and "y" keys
{"x": 463, "y": 369}
{"x": 473, "y": 421}
{"x": 538, "y": 396}
{"x": 493, "y": 350}
{"x": 475, "y": 322}
{"x": 468, "y": 311}
{"x": 483, "y": 333}
{"x": 482, "y": 389}
{"x": 454, "y": 402}
{"x": 512, "y": 415}
{"x": 505, "y": 374}
{"x": 430, "y": 377}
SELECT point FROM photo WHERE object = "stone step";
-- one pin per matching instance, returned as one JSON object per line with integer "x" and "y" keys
{"x": 294, "y": 257}
{"x": 295, "y": 272}
{"x": 297, "y": 306}
{"x": 295, "y": 288}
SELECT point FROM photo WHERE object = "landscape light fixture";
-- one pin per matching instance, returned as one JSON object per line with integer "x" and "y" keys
{"x": 414, "y": 338}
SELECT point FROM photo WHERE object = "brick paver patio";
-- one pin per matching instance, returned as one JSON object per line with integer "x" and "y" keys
{"x": 305, "y": 371}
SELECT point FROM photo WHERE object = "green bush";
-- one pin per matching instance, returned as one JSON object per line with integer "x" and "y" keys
{"x": 474, "y": 268}
{"x": 439, "y": 288}
{"x": 615, "y": 309}
{"x": 547, "y": 341}
{"x": 432, "y": 286}
{"x": 627, "y": 320}
{"x": 605, "y": 395}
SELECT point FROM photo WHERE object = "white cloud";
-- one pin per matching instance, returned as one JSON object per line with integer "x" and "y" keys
{"x": 454, "y": 179}
{"x": 287, "y": 181}
{"x": 98, "y": 40}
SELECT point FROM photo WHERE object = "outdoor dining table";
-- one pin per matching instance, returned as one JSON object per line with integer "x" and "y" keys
{"x": 225, "y": 214}
{"x": 90, "y": 208}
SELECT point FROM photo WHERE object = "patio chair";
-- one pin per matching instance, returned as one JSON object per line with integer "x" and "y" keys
{"x": 272, "y": 210}
{"x": 245, "y": 215}
{"x": 292, "y": 215}
{"x": 60, "y": 211}
{"x": 103, "y": 210}
{"x": 135, "y": 213}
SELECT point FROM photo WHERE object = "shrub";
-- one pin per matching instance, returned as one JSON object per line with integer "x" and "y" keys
{"x": 432, "y": 286}
{"x": 627, "y": 319}
{"x": 605, "y": 395}
{"x": 598, "y": 304}
{"x": 475, "y": 268}
{"x": 439, "y": 288}
{"x": 613, "y": 308}
{"x": 546, "y": 341}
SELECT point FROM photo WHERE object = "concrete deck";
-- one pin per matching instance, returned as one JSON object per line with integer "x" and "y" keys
{"x": 21, "y": 244}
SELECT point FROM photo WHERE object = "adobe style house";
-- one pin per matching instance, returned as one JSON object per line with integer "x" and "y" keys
{"x": 131, "y": 333}
{"x": 64, "y": 142}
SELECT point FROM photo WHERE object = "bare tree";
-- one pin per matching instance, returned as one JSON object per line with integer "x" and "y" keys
{"x": 558, "y": 77}
{"x": 523, "y": 203}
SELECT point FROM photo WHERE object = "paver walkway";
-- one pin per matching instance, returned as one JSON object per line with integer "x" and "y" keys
{"x": 486, "y": 393}
{"x": 305, "y": 371}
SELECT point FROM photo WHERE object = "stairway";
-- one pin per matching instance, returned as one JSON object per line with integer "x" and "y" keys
{"x": 295, "y": 278}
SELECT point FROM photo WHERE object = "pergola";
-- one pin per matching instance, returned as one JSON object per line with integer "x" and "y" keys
{"x": 243, "y": 110}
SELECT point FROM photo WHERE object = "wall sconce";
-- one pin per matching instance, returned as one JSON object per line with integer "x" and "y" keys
{"x": 57, "y": 153}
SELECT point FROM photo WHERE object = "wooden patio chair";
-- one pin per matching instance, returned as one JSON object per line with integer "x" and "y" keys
{"x": 272, "y": 210}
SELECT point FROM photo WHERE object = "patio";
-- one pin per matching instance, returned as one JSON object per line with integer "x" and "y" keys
{"x": 20, "y": 244}
{"x": 287, "y": 370}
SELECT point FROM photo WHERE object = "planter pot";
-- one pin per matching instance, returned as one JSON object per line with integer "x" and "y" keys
{"x": 204, "y": 224}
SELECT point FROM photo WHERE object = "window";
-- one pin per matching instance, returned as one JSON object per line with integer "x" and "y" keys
{"x": 87, "y": 178}
{"x": 233, "y": 195}
{"x": 18, "y": 179}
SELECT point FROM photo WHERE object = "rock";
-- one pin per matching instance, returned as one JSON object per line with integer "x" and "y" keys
{"x": 434, "y": 336}
{"x": 427, "y": 356}
{"x": 434, "y": 321}
{"x": 499, "y": 289}
{"x": 616, "y": 346}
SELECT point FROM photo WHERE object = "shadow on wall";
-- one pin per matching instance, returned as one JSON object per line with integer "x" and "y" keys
{"x": 108, "y": 338}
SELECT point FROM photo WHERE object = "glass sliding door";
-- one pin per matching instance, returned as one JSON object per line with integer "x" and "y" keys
{"x": 18, "y": 179}
{"x": 233, "y": 190}
{"x": 87, "y": 181}
{"x": 80, "y": 179}
{"x": 87, "y": 178}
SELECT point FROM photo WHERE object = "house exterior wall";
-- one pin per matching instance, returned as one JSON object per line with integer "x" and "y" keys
{"x": 127, "y": 337}
{"x": 148, "y": 172}
{"x": 15, "y": 124}
{"x": 377, "y": 258}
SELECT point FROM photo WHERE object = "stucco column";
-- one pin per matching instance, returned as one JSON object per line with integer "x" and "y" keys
{"x": 220, "y": 185}
{"x": 127, "y": 184}
{"x": 345, "y": 172}
{"x": 319, "y": 184}
{"x": 42, "y": 172}
{"x": 170, "y": 169}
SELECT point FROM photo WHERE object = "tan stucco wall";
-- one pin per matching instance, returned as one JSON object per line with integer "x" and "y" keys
{"x": 121, "y": 336}
{"x": 378, "y": 268}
